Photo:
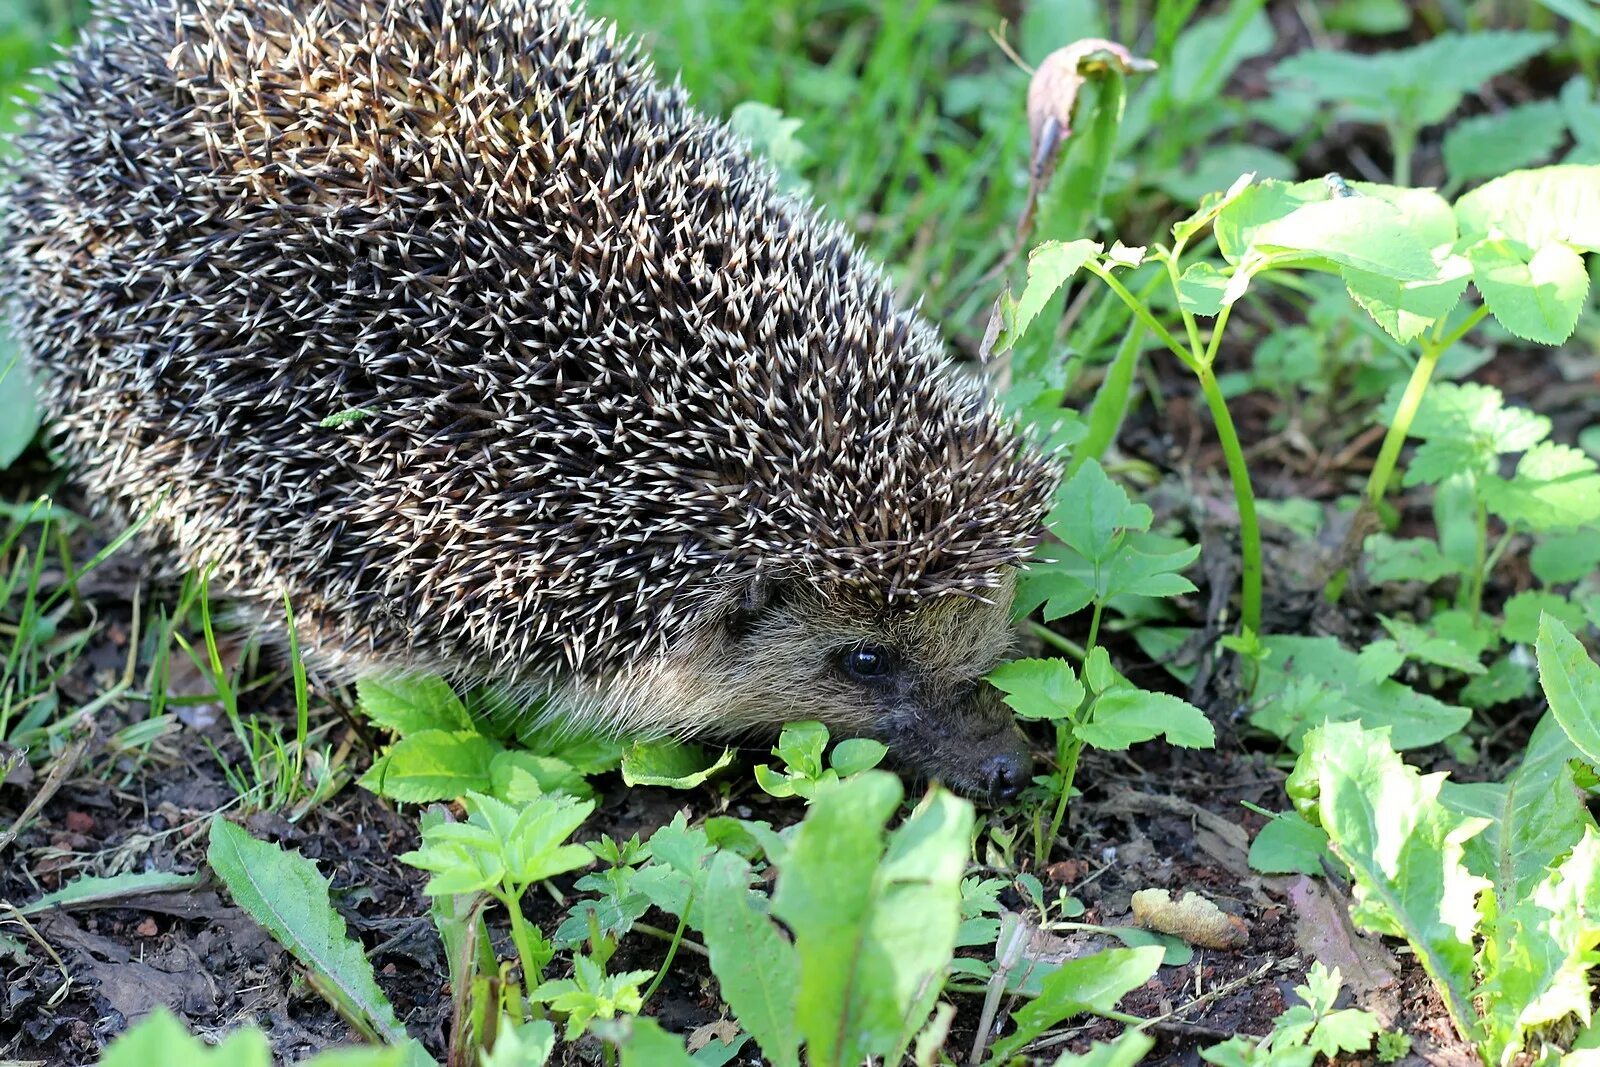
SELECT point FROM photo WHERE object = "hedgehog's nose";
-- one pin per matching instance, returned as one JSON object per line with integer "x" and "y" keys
{"x": 1006, "y": 774}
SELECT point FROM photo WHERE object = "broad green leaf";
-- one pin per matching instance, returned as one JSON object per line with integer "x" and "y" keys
{"x": 1506, "y": 680}
{"x": 1486, "y": 146}
{"x": 874, "y": 926}
{"x": 1457, "y": 651}
{"x": 1288, "y": 845}
{"x": 521, "y": 1044}
{"x": 1538, "y": 952}
{"x": 674, "y": 764}
{"x": 1554, "y": 488}
{"x": 1582, "y": 114}
{"x": 1088, "y": 984}
{"x": 1404, "y": 850}
{"x": 89, "y": 891}
{"x": 1565, "y": 558}
{"x": 433, "y": 765}
{"x": 1404, "y": 309}
{"x": 856, "y": 754}
{"x": 643, "y": 1043}
{"x": 515, "y": 775}
{"x": 1571, "y": 682}
{"x": 1050, "y": 265}
{"x": 1536, "y": 294}
{"x": 1257, "y": 206}
{"x": 1126, "y": 716}
{"x": 1202, "y": 289}
{"x": 162, "y": 1039}
{"x": 1092, "y": 511}
{"x": 1359, "y": 232}
{"x": 757, "y": 969}
{"x": 1524, "y": 611}
{"x": 1308, "y": 681}
{"x": 1535, "y": 816}
{"x": 1421, "y": 85}
{"x": 1413, "y": 559}
{"x": 17, "y": 399}
{"x": 1130, "y": 571}
{"x": 284, "y": 892}
{"x": 411, "y": 703}
{"x": 1039, "y": 688}
{"x": 1537, "y": 207}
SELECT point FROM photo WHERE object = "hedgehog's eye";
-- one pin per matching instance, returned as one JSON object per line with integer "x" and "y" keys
{"x": 865, "y": 663}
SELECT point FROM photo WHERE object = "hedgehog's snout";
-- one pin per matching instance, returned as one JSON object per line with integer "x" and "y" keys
{"x": 1007, "y": 773}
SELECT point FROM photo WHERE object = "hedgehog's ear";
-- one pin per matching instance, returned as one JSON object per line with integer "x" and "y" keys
{"x": 760, "y": 595}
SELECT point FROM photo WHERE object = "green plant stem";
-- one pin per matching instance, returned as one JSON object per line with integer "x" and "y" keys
{"x": 1403, "y": 140}
{"x": 1094, "y": 622}
{"x": 1069, "y": 770}
{"x": 531, "y": 975}
{"x": 1244, "y": 497}
{"x": 1410, "y": 401}
{"x": 1143, "y": 314}
{"x": 1071, "y": 648}
{"x": 672, "y": 951}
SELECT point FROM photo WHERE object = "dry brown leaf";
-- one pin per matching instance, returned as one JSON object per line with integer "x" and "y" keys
{"x": 1194, "y": 919}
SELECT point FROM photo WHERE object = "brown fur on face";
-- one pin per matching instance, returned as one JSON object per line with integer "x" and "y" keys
{"x": 778, "y": 653}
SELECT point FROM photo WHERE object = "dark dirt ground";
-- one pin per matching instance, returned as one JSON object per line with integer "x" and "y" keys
{"x": 1157, "y": 819}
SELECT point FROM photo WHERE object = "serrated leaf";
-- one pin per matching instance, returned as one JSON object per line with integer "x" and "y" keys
{"x": 1202, "y": 289}
{"x": 1404, "y": 309}
{"x": 1039, "y": 688}
{"x": 434, "y": 765}
{"x": 284, "y": 892}
{"x": 757, "y": 969}
{"x": 1092, "y": 511}
{"x": 1361, "y": 233}
{"x": 1522, "y": 614}
{"x": 1554, "y": 488}
{"x": 1565, "y": 558}
{"x": 1127, "y": 716}
{"x": 1535, "y": 816}
{"x": 1088, "y": 984}
{"x": 1571, "y": 682}
{"x": 1132, "y": 572}
{"x": 411, "y": 703}
{"x": 1413, "y": 559}
{"x": 1536, "y": 294}
{"x": 1050, "y": 266}
{"x": 675, "y": 764}
{"x": 1404, "y": 850}
{"x": 1486, "y": 146}
{"x": 1308, "y": 681}
{"x": 1537, "y": 207}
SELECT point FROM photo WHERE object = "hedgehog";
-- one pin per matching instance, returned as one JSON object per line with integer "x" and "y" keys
{"x": 451, "y": 324}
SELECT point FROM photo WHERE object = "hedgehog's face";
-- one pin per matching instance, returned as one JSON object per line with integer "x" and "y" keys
{"x": 912, "y": 677}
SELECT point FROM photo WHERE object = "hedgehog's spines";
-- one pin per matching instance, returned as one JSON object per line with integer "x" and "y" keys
{"x": 611, "y": 365}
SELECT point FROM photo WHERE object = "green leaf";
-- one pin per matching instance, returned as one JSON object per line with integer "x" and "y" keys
{"x": 162, "y": 1039}
{"x": 1554, "y": 488}
{"x": 521, "y": 1044}
{"x": 675, "y": 764}
{"x": 643, "y": 1043}
{"x": 1093, "y": 511}
{"x": 757, "y": 969}
{"x": 1486, "y": 146}
{"x": 1308, "y": 681}
{"x": 1524, "y": 612}
{"x": 1050, "y": 266}
{"x": 1217, "y": 168}
{"x": 1458, "y": 649}
{"x": 1537, "y": 208}
{"x": 284, "y": 893}
{"x": 1571, "y": 682}
{"x": 1404, "y": 850}
{"x": 1091, "y": 984}
{"x": 411, "y": 703}
{"x": 1565, "y": 558}
{"x": 1413, "y": 559}
{"x": 1203, "y": 289}
{"x": 17, "y": 399}
{"x": 1359, "y": 232}
{"x": 774, "y": 136}
{"x": 89, "y": 891}
{"x": 1125, "y": 716}
{"x": 856, "y": 754}
{"x": 517, "y": 776}
{"x": 1039, "y": 688}
{"x": 1506, "y": 680}
{"x": 1211, "y": 205}
{"x": 1535, "y": 293}
{"x": 1535, "y": 816}
{"x": 1127, "y": 1050}
{"x": 1288, "y": 845}
{"x": 433, "y": 765}
{"x": 875, "y": 928}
